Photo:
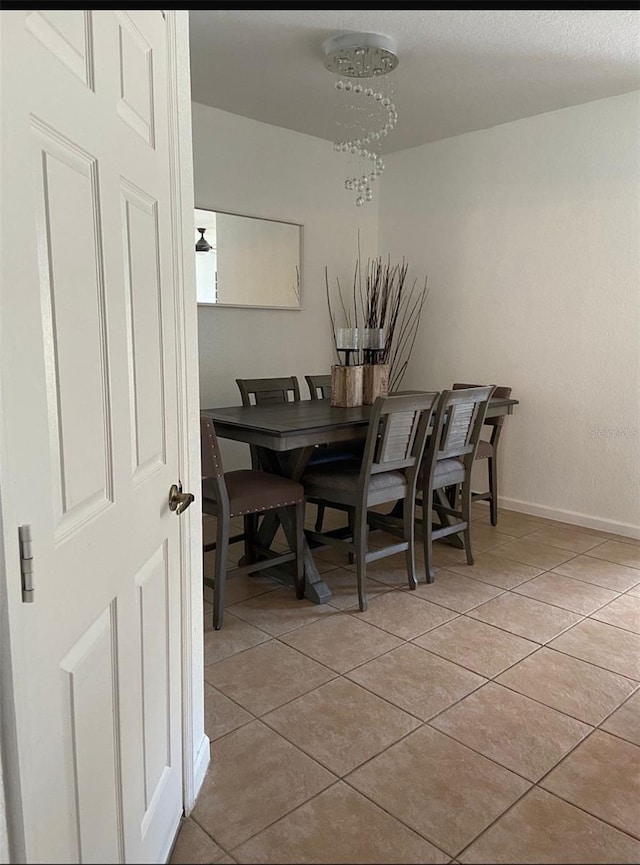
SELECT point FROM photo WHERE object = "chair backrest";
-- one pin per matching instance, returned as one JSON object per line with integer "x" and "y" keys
{"x": 319, "y": 386}
{"x": 457, "y": 425}
{"x": 212, "y": 467}
{"x": 210, "y": 450}
{"x": 397, "y": 433}
{"x": 268, "y": 391}
{"x": 499, "y": 393}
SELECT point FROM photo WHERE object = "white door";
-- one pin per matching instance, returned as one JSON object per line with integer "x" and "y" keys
{"x": 89, "y": 438}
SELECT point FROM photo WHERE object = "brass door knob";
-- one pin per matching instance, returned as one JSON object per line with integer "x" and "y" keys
{"x": 179, "y": 501}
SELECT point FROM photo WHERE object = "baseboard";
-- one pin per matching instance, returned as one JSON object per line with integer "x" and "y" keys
{"x": 200, "y": 765}
{"x": 199, "y": 771}
{"x": 571, "y": 517}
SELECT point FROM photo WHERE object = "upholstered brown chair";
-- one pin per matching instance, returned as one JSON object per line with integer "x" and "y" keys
{"x": 388, "y": 471}
{"x": 246, "y": 493}
{"x": 489, "y": 450}
{"x": 447, "y": 464}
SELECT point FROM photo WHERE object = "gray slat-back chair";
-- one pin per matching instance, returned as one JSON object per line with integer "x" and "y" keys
{"x": 267, "y": 391}
{"x": 489, "y": 450}
{"x": 319, "y": 386}
{"x": 388, "y": 472}
{"x": 273, "y": 391}
{"x": 246, "y": 493}
{"x": 447, "y": 462}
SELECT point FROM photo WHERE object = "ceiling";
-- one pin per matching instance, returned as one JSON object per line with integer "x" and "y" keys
{"x": 459, "y": 70}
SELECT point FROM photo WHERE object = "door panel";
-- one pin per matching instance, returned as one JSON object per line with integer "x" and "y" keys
{"x": 68, "y": 35}
{"x": 135, "y": 105}
{"x": 90, "y": 431}
{"x": 153, "y": 604}
{"x": 144, "y": 331}
{"x": 91, "y": 683}
{"x": 68, "y": 231}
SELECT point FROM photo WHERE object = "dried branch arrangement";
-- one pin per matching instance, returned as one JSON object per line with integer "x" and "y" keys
{"x": 382, "y": 297}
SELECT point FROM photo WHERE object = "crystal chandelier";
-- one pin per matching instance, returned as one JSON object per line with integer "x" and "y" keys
{"x": 366, "y": 113}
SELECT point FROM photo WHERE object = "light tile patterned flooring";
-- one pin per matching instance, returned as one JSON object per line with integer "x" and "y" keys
{"x": 493, "y": 716}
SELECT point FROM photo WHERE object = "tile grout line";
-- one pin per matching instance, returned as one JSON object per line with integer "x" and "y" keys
{"x": 624, "y": 702}
{"x": 358, "y": 792}
{"x": 560, "y": 711}
{"x": 580, "y": 807}
{"x": 412, "y": 714}
{"x": 428, "y": 723}
{"x": 537, "y": 785}
{"x": 421, "y": 722}
{"x": 408, "y": 712}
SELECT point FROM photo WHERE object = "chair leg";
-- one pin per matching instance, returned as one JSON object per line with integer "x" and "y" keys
{"x": 319, "y": 518}
{"x": 452, "y": 494}
{"x": 466, "y": 519}
{"x": 352, "y": 530}
{"x": 360, "y": 540}
{"x": 493, "y": 489}
{"x": 409, "y": 532}
{"x": 298, "y": 564}
{"x": 250, "y": 531}
{"x": 220, "y": 573}
{"x": 448, "y": 497}
{"x": 427, "y": 527}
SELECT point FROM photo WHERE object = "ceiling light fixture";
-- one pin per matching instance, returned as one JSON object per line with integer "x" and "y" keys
{"x": 365, "y": 114}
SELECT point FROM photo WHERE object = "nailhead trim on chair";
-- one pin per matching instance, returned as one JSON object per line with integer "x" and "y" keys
{"x": 270, "y": 508}
{"x": 260, "y": 510}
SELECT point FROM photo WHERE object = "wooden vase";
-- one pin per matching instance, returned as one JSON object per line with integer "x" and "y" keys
{"x": 346, "y": 386}
{"x": 375, "y": 382}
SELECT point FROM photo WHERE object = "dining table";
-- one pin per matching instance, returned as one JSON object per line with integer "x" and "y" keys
{"x": 285, "y": 435}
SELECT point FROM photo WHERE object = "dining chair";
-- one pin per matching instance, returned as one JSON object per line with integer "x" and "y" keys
{"x": 274, "y": 391}
{"x": 247, "y": 493}
{"x": 267, "y": 391}
{"x": 319, "y": 386}
{"x": 388, "y": 472}
{"x": 489, "y": 450}
{"x": 446, "y": 465}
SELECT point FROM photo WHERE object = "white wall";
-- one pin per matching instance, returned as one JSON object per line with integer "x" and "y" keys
{"x": 253, "y": 168}
{"x": 4, "y": 840}
{"x": 529, "y": 233}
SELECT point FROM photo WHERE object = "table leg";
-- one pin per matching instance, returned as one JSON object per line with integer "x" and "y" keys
{"x": 444, "y": 498}
{"x": 291, "y": 465}
{"x": 267, "y": 530}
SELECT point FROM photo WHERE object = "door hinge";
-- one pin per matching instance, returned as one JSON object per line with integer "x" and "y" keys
{"x": 26, "y": 563}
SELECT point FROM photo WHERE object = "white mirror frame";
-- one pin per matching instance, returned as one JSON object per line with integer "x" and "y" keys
{"x": 297, "y": 225}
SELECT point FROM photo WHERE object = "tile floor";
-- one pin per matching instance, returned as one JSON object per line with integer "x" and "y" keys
{"x": 493, "y": 716}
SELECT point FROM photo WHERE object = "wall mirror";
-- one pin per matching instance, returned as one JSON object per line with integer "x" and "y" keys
{"x": 247, "y": 261}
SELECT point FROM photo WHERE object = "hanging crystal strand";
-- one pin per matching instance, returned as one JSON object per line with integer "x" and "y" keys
{"x": 362, "y": 63}
{"x": 370, "y": 116}
{"x": 360, "y": 133}
{"x": 342, "y": 142}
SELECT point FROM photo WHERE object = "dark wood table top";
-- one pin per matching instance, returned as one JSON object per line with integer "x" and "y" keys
{"x": 286, "y": 426}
